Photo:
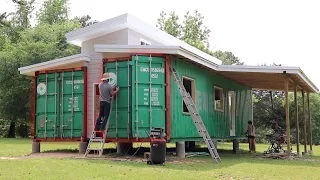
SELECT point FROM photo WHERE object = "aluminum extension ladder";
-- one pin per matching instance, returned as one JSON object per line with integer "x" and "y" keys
{"x": 196, "y": 117}
{"x": 101, "y": 140}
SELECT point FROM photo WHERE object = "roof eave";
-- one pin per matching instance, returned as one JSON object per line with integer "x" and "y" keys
{"x": 270, "y": 69}
{"x": 29, "y": 70}
{"x": 178, "y": 50}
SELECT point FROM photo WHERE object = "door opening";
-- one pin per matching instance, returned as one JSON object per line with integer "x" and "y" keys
{"x": 232, "y": 112}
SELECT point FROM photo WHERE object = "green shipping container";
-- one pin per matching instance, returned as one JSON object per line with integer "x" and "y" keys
{"x": 140, "y": 104}
{"x": 217, "y": 122}
{"x": 60, "y": 105}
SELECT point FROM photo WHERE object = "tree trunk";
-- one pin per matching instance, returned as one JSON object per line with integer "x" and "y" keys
{"x": 12, "y": 130}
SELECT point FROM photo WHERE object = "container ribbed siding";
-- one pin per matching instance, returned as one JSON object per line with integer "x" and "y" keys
{"x": 140, "y": 103}
{"x": 60, "y": 104}
{"x": 216, "y": 122}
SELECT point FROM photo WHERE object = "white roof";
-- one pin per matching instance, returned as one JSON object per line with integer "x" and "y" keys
{"x": 174, "y": 50}
{"x": 78, "y": 36}
{"x": 62, "y": 62}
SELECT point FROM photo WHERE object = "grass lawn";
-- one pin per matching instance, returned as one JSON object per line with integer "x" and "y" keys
{"x": 235, "y": 166}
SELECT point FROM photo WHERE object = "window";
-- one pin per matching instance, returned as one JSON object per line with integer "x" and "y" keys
{"x": 144, "y": 42}
{"x": 188, "y": 84}
{"x": 218, "y": 98}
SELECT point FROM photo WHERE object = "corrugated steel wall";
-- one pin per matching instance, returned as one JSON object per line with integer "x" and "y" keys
{"x": 217, "y": 123}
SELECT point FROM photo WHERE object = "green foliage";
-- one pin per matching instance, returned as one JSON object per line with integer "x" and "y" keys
{"x": 23, "y": 14}
{"x": 22, "y": 45}
{"x": 228, "y": 58}
{"x": 54, "y": 12}
{"x": 169, "y": 24}
{"x": 193, "y": 31}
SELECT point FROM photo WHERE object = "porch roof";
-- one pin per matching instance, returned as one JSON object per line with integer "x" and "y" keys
{"x": 267, "y": 77}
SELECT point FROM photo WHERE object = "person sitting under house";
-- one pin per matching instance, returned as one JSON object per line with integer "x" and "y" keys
{"x": 251, "y": 134}
{"x": 106, "y": 93}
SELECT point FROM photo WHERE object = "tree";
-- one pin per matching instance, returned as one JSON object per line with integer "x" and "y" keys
{"x": 228, "y": 58}
{"x": 41, "y": 43}
{"x": 193, "y": 31}
{"x": 85, "y": 20}
{"x": 23, "y": 14}
{"x": 54, "y": 12}
{"x": 169, "y": 24}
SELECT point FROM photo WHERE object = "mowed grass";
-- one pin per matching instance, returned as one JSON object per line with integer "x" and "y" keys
{"x": 235, "y": 166}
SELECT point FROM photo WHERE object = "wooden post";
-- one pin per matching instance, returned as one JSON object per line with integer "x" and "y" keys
{"x": 309, "y": 119}
{"x": 296, "y": 118}
{"x": 304, "y": 122}
{"x": 287, "y": 114}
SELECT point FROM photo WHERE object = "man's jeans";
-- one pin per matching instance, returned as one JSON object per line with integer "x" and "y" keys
{"x": 103, "y": 115}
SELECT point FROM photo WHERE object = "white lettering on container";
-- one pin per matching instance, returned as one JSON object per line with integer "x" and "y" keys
{"x": 80, "y": 81}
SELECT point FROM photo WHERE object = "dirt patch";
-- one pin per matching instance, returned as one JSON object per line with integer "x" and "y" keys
{"x": 111, "y": 157}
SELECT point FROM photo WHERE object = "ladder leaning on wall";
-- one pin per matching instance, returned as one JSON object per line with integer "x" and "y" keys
{"x": 196, "y": 117}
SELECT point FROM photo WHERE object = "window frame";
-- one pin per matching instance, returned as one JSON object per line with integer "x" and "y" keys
{"x": 193, "y": 92}
{"x": 146, "y": 43}
{"x": 221, "y": 98}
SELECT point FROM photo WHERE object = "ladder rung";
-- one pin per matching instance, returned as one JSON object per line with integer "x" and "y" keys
{"x": 97, "y": 140}
{"x": 95, "y": 149}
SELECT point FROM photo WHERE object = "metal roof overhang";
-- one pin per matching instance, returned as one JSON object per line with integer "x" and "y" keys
{"x": 255, "y": 77}
{"x": 171, "y": 50}
{"x": 73, "y": 61}
{"x": 267, "y": 77}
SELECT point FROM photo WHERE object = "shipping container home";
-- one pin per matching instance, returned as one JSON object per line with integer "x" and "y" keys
{"x": 138, "y": 57}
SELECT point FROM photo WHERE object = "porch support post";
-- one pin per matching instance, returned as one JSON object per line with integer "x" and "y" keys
{"x": 304, "y": 123}
{"x": 287, "y": 114}
{"x": 296, "y": 118}
{"x": 310, "y": 126}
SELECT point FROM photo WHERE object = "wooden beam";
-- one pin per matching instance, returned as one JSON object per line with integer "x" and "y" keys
{"x": 309, "y": 119}
{"x": 287, "y": 114}
{"x": 296, "y": 118}
{"x": 292, "y": 81}
{"x": 304, "y": 122}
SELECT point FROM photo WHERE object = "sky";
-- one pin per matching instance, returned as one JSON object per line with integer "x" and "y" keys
{"x": 285, "y": 32}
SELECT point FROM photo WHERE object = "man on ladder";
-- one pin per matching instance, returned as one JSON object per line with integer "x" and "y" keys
{"x": 106, "y": 93}
{"x": 100, "y": 131}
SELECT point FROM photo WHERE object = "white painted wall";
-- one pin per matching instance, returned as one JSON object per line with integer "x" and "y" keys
{"x": 134, "y": 38}
{"x": 95, "y": 66}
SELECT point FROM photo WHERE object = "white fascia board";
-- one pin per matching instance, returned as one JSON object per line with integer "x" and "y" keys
{"x": 154, "y": 49}
{"x": 77, "y": 36}
{"x": 100, "y": 48}
{"x": 262, "y": 69}
{"x": 308, "y": 81}
{"x": 269, "y": 69}
{"x": 27, "y": 70}
{"x": 198, "y": 59}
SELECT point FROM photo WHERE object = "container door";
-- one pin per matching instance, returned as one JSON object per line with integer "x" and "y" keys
{"x": 72, "y": 103}
{"x": 232, "y": 112}
{"x": 47, "y": 106}
{"x": 148, "y": 94}
{"x": 120, "y": 117}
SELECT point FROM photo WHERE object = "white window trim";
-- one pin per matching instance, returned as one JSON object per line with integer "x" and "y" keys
{"x": 145, "y": 41}
{"x": 222, "y": 98}
{"x": 193, "y": 95}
